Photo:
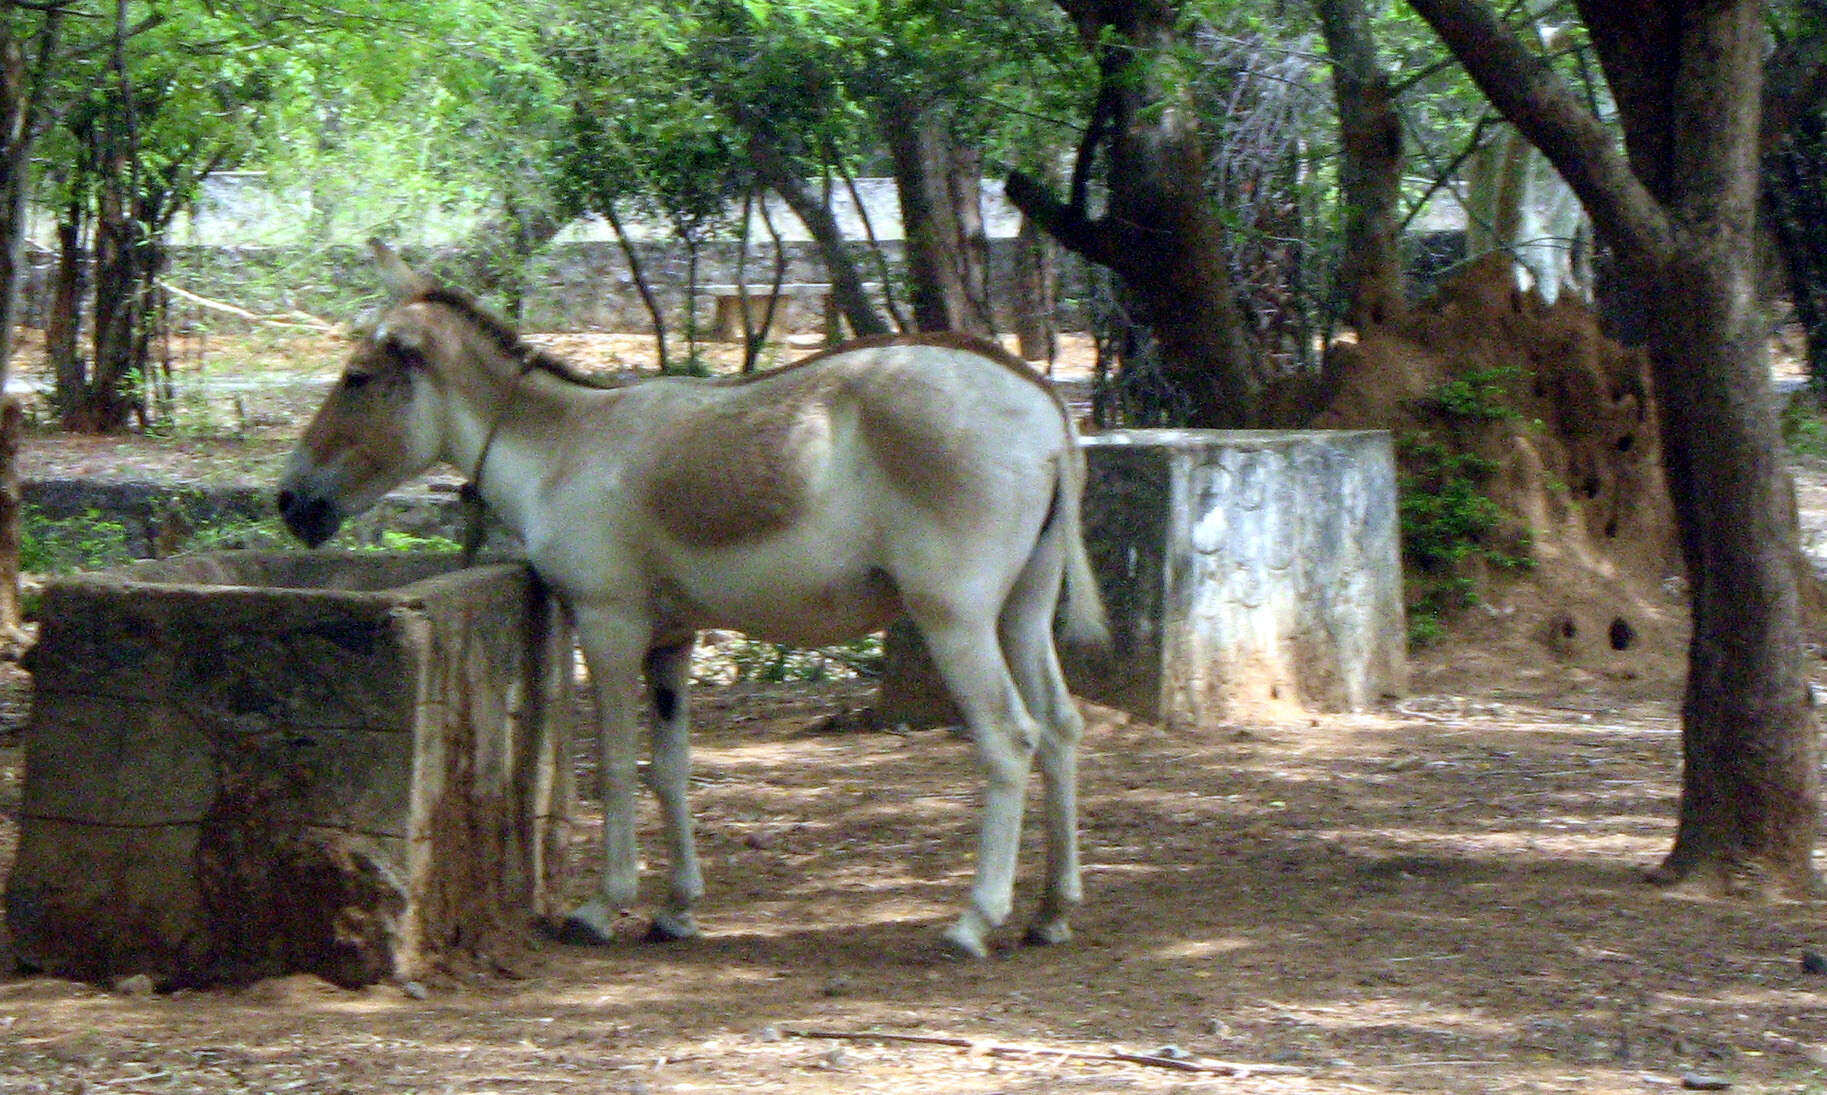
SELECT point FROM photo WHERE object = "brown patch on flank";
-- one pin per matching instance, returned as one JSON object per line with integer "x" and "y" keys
{"x": 735, "y": 473}
{"x": 918, "y": 459}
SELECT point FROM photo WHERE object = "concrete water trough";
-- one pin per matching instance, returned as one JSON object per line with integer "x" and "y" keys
{"x": 245, "y": 764}
{"x": 1247, "y": 572}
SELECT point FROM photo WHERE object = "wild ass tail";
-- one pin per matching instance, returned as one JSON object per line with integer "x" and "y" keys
{"x": 1086, "y": 625}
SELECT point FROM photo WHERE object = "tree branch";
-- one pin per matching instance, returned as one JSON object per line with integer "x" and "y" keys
{"x": 1092, "y": 240}
{"x": 1529, "y": 95}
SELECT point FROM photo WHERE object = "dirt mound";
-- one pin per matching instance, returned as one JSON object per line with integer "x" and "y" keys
{"x": 1531, "y": 457}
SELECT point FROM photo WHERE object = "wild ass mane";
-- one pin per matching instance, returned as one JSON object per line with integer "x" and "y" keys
{"x": 510, "y": 343}
{"x": 507, "y": 340}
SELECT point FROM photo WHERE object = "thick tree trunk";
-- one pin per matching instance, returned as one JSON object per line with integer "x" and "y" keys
{"x": 846, "y": 283}
{"x": 1750, "y": 791}
{"x": 1160, "y": 234}
{"x": 1750, "y": 772}
{"x": 941, "y": 219}
{"x": 1687, "y": 80}
{"x": 1370, "y": 165}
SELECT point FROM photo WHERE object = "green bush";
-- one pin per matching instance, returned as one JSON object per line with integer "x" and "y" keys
{"x": 68, "y": 544}
{"x": 1452, "y": 530}
{"x": 755, "y": 660}
{"x": 1805, "y": 427}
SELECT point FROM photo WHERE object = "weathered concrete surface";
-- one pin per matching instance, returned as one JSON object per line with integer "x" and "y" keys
{"x": 245, "y": 764}
{"x": 1244, "y": 571}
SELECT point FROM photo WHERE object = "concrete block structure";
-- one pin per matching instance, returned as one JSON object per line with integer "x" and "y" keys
{"x": 243, "y": 764}
{"x": 1246, "y": 572}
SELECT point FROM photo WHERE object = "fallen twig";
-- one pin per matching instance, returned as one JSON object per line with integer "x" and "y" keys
{"x": 287, "y": 319}
{"x": 1005, "y": 1049}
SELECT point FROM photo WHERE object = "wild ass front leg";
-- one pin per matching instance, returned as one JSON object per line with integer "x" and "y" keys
{"x": 669, "y": 775}
{"x": 612, "y": 651}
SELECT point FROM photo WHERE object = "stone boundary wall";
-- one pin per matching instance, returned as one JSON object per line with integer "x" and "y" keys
{"x": 573, "y": 286}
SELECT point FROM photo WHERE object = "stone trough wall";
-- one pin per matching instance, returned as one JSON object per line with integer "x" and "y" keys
{"x": 243, "y": 764}
{"x": 1245, "y": 571}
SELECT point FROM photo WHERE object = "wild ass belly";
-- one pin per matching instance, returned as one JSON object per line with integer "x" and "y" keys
{"x": 806, "y": 602}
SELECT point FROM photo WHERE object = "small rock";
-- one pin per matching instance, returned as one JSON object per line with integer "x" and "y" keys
{"x": 416, "y": 990}
{"x": 837, "y": 1058}
{"x": 137, "y": 985}
{"x": 1700, "y": 1081}
{"x": 1217, "y": 1028}
{"x": 769, "y": 1033}
{"x": 1171, "y": 1053}
{"x": 1814, "y": 962}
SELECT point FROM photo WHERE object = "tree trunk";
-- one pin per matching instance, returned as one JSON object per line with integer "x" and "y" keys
{"x": 1159, "y": 234}
{"x": 18, "y": 134}
{"x": 13, "y": 637}
{"x": 1036, "y": 292}
{"x": 846, "y": 283}
{"x": 1370, "y": 165}
{"x": 63, "y": 322}
{"x": 1687, "y": 78}
{"x": 1795, "y": 190}
{"x": 108, "y": 400}
{"x": 941, "y": 219}
{"x": 1751, "y": 774}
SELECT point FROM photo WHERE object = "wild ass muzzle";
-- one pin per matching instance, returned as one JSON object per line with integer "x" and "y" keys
{"x": 932, "y": 477}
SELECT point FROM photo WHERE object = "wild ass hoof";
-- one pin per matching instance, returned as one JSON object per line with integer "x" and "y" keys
{"x": 672, "y": 927}
{"x": 590, "y": 926}
{"x": 963, "y": 940}
{"x": 1048, "y": 934}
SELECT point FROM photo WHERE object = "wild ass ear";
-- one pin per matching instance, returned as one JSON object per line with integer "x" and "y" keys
{"x": 400, "y": 278}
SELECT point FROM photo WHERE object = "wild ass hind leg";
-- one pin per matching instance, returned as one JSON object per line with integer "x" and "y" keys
{"x": 612, "y": 651}
{"x": 970, "y": 660}
{"x": 669, "y": 776}
{"x": 1033, "y": 659}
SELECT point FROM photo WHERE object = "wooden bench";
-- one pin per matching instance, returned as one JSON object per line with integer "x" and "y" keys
{"x": 727, "y": 326}
{"x": 728, "y": 299}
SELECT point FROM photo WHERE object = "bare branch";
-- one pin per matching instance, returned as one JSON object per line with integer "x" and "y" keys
{"x": 1005, "y": 1049}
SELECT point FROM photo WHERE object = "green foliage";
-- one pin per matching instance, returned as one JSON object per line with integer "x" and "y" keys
{"x": 1481, "y": 395}
{"x": 1805, "y": 427}
{"x": 402, "y": 541}
{"x": 65, "y": 545}
{"x": 1451, "y": 530}
{"x": 772, "y": 663}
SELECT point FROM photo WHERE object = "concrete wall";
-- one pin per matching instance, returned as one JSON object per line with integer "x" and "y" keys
{"x": 240, "y": 765}
{"x": 1246, "y": 572}
{"x": 581, "y": 285}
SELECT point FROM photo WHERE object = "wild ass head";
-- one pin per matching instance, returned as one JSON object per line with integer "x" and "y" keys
{"x": 381, "y": 424}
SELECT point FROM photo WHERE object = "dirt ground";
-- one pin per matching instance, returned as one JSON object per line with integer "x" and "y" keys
{"x": 1444, "y": 894}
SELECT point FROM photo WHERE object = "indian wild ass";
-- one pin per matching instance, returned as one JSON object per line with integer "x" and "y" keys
{"x": 929, "y": 476}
